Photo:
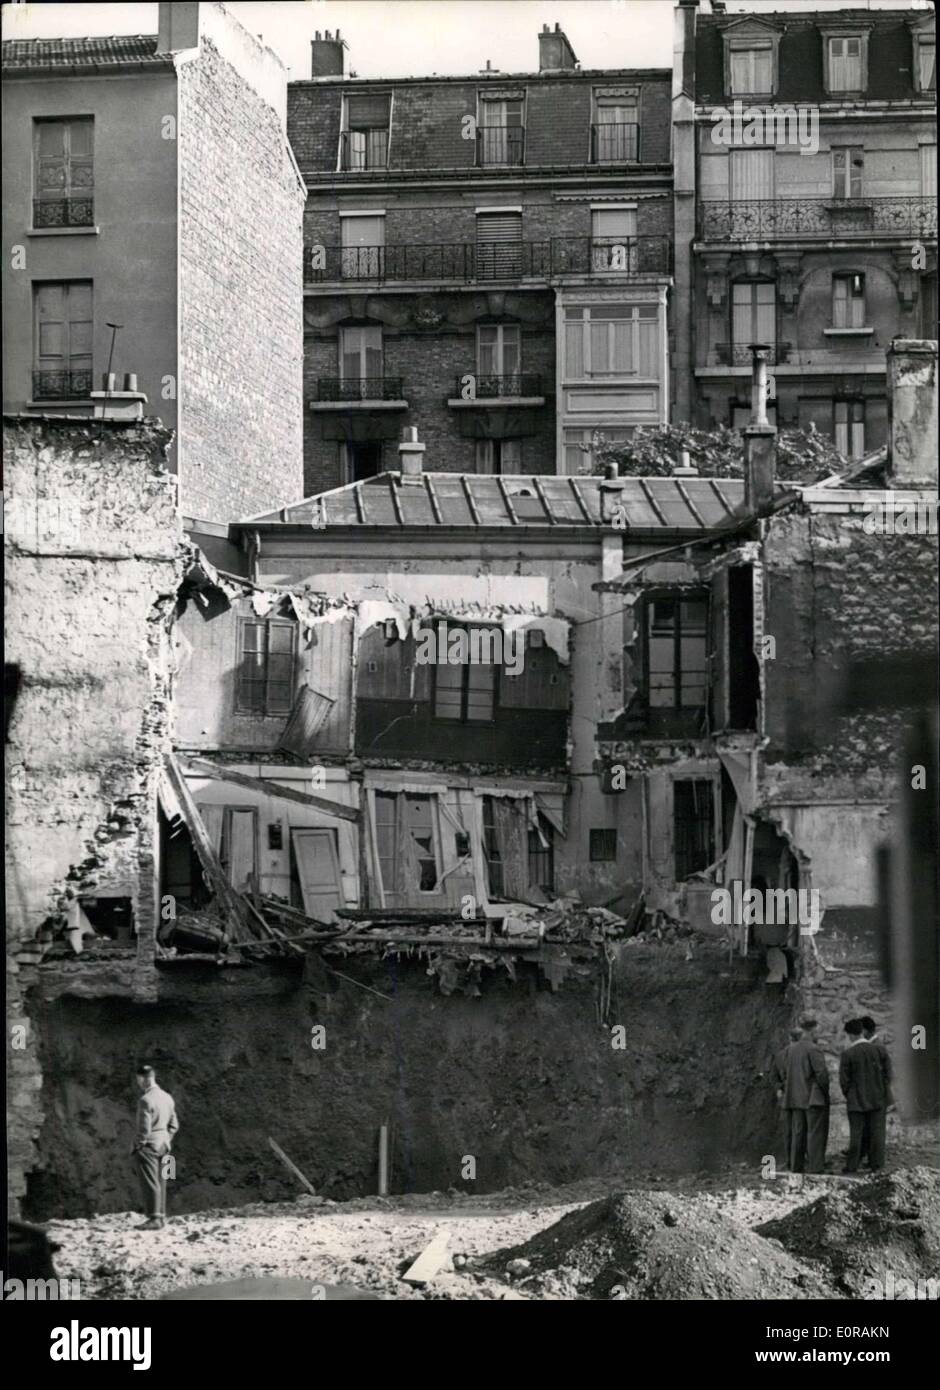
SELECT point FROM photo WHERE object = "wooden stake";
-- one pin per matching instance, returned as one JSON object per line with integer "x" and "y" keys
{"x": 288, "y": 1163}
{"x": 383, "y": 1159}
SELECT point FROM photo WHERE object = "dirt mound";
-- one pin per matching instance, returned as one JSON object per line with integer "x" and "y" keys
{"x": 871, "y": 1235}
{"x": 647, "y": 1245}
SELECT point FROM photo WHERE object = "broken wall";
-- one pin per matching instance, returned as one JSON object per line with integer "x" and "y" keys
{"x": 93, "y": 560}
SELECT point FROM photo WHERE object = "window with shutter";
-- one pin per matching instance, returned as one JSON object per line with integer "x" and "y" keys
{"x": 610, "y": 340}
{"x": 500, "y": 456}
{"x": 63, "y": 173}
{"x": 616, "y": 129}
{"x": 751, "y": 70}
{"x": 928, "y": 170}
{"x": 926, "y": 65}
{"x": 753, "y": 315}
{"x": 62, "y": 339}
{"x": 361, "y": 360}
{"x": 845, "y": 64}
{"x": 848, "y": 301}
{"x": 366, "y": 131}
{"x": 848, "y": 166}
{"x": 363, "y": 246}
{"x": 500, "y": 131}
{"x": 613, "y": 239}
{"x": 752, "y": 174}
{"x": 849, "y": 428}
{"x": 499, "y": 245}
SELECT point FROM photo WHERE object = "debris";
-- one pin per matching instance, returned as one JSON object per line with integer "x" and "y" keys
{"x": 429, "y": 1262}
{"x": 266, "y": 786}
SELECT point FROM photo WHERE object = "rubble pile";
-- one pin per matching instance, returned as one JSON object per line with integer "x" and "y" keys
{"x": 861, "y": 1233}
{"x": 645, "y": 1245}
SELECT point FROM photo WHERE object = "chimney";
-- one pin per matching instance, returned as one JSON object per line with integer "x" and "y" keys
{"x": 760, "y": 439}
{"x": 555, "y": 52}
{"x": 328, "y": 55}
{"x": 111, "y": 404}
{"x": 410, "y": 455}
{"x": 177, "y": 26}
{"x": 912, "y": 411}
{"x": 684, "y": 468}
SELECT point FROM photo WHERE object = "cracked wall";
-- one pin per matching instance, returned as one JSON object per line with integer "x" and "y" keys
{"x": 94, "y": 558}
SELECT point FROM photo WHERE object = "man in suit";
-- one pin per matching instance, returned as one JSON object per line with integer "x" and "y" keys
{"x": 806, "y": 1095}
{"x": 156, "y": 1126}
{"x": 865, "y": 1078}
{"x": 779, "y": 1074}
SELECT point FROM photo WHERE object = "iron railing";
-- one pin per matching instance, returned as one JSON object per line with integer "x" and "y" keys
{"x": 487, "y": 386}
{"x": 765, "y": 218}
{"x": 63, "y": 212}
{"x": 615, "y": 144}
{"x": 61, "y": 386}
{"x": 740, "y": 355}
{"x": 481, "y": 261}
{"x": 365, "y": 149}
{"x": 500, "y": 144}
{"x": 360, "y": 388}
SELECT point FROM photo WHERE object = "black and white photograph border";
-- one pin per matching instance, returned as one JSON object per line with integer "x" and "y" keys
{"x": 470, "y": 686}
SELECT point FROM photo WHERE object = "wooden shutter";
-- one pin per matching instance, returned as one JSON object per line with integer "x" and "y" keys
{"x": 499, "y": 244}
{"x": 752, "y": 174}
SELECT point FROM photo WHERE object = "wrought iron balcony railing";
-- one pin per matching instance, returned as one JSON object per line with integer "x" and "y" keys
{"x": 360, "y": 388}
{"x": 500, "y": 144}
{"x": 636, "y": 255}
{"x": 765, "y": 218}
{"x": 61, "y": 386}
{"x": 480, "y": 261}
{"x": 63, "y": 212}
{"x": 364, "y": 149}
{"x": 740, "y": 355}
{"x": 615, "y": 144}
{"x": 489, "y": 387}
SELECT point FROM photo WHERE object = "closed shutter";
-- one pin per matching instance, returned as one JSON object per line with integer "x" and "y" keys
{"x": 928, "y": 170}
{"x": 62, "y": 337}
{"x": 499, "y": 245}
{"x": 367, "y": 111}
{"x": 363, "y": 251}
{"x": 752, "y": 174}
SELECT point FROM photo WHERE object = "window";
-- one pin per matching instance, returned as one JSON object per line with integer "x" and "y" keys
{"x": 926, "y": 63}
{"x": 602, "y": 846}
{"x": 752, "y": 175}
{"x": 237, "y": 846}
{"x": 693, "y": 828}
{"x": 845, "y": 65}
{"x": 583, "y": 446}
{"x": 363, "y": 246}
{"x": 499, "y": 359}
{"x": 616, "y": 131}
{"x": 465, "y": 692}
{"x": 676, "y": 660}
{"x": 366, "y": 131}
{"x": 360, "y": 459}
{"x": 407, "y": 842}
{"x": 849, "y": 419}
{"x": 63, "y": 173}
{"x": 848, "y": 166}
{"x": 361, "y": 359}
{"x": 266, "y": 666}
{"x": 491, "y": 851}
{"x": 611, "y": 340}
{"x": 751, "y": 70}
{"x": 62, "y": 339}
{"x": 928, "y": 170}
{"x": 500, "y": 132}
{"x": 541, "y": 856}
{"x": 500, "y": 456}
{"x": 499, "y": 245}
{"x": 613, "y": 239}
{"x": 848, "y": 301}
{"x": 753, "y": 315}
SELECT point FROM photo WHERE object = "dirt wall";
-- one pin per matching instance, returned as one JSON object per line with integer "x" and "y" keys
{"x": 523, "y": 1079}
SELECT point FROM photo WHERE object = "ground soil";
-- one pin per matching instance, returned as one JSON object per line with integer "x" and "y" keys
{"x": 728, "y": 1235}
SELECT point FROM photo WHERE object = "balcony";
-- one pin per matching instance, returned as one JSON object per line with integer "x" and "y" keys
{"x": 373, "y": 391}
{"x": 364, "y": 149}
{"x": 500, "y": 145}
{"x": 63, "y": 212}
{"x": 61, "y": 386}
{"x": 615, "y": 144}
{"x": 792, "y": 218}
{"x": 635, "y": 255}
{"x": 475, "y": 262}
{"x": 740, "y": 355}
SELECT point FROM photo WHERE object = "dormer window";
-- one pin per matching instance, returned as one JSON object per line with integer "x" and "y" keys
{"x": 365, "y": 131}
{"x": 750, "y": 53}
{"x": 925, "y": 62}
{"x": 501, "y": 128}
{"x": 845, "y": 66}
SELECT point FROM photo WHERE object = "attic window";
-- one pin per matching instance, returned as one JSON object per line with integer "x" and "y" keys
{"x": 751, "y": 68}
{"x": 846, "y": 63}
{"x": 925, "y": 62}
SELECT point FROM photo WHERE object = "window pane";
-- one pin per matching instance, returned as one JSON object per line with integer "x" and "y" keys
{"x": 574, "y": 349}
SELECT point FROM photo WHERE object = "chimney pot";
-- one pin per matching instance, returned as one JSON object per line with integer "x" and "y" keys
{"x": 685, "y": 468}
{"x": 555, "y": 52}
{"x": 130, "y": 381}
{"x": 410, "y": 454}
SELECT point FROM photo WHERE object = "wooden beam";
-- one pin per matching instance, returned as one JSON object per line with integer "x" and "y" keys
{"x": 231, "y": 902}
{"x": 430, "y": 1261}
{"x": 201, "y": 767}
{"x": 291, "y": 1166}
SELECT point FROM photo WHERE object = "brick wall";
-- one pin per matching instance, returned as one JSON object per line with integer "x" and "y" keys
{"x": 94, "y": 558}
{"x": 240, "y": 298}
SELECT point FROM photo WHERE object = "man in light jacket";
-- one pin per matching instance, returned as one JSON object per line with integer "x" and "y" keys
{"x": 156, "y": 1126}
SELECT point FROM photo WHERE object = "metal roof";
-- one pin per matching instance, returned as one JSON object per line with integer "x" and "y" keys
{"x": 435, "y": 500}
{"x": 41, "y": 55}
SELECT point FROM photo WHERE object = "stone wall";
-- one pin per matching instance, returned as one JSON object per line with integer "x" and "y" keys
{"x": 94, "y": 558}
{"x": 241, "y": 330}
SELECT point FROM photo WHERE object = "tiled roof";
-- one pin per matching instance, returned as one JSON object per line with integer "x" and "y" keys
{"x": 474, "y": 500}
{"x": 39, "y": 55}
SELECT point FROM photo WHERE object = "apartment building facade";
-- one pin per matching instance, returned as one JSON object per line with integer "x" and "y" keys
{"x": 153, "y": 213}
{"x": 806, "y": 187}
{"x": 485, "y": 258}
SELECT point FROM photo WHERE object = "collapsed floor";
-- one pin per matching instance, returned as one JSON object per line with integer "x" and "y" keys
{"x": 732, "y": 1236}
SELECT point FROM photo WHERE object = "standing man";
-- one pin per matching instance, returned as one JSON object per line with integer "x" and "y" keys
{"x": 156, "y": 1126}
{"x": 864, "y": 1075}
{"x": 806, "y": 1095}
{"x": 779, "y": 1073}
